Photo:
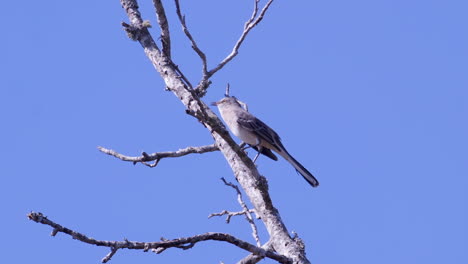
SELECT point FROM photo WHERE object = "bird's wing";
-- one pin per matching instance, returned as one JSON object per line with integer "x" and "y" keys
{"x": 265, "y": 133}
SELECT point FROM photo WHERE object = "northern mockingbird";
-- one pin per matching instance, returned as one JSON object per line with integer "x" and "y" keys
{"x": 257, "y": 134}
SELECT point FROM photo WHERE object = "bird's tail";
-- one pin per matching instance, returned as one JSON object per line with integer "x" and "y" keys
{"x": 300, "y": 169}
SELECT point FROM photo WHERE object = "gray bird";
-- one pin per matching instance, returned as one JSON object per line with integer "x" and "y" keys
{"x": 257, "y": 134}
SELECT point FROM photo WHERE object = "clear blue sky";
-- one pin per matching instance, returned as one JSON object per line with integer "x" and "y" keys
{"x": 373, "y": 97}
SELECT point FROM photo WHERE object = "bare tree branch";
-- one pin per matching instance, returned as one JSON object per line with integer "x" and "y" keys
{"x": 138, "y": 30}
{"x": 248, "y": 215}
{"x": 247, "y": 27}
{"x": 164, "y": 26}
{"x": 165, "y": 37}
{"x": 110, "y": 255}
{"x": 183, "y": 243}
{"x": 252, "y": 259}
{"x": 192, "y": 40}
{"x": 157, "y": 156}
{"x": 251, "y": 23}
{"x": 230, "y": 214}
{"x": 254, "y": 13}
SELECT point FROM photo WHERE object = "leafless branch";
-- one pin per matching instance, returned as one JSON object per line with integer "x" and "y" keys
{"x": 248, "y": 215}
{"x": 183, "y": 243}
{"x": 251, "y": 23}
{"x": 166, "y": 39}
{"x": 110, "y": 255}
{"x": 228, "y": 87}
{"x": 254, "y": 12}
{"x": 252, "y": 259}
{"x": 137, "y": 30}
{"x": 164, "y": 26}
{"x": 230, "y": 214}
{"x": 192, "y": 40}
{"x": 157, "y": 156}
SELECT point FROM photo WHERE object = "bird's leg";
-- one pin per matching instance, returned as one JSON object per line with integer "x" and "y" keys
{"x": 256, "y": 156}
{"x": 243, "y": 146}
{"x": 259, "y": 150}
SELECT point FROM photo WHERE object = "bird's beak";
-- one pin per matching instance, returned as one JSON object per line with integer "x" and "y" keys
{"x": 214, "y": 103}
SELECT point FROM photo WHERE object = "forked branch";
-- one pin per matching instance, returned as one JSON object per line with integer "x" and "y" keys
{"x": 252, "y": 259}
{"x": 247, "y": 213}
{"x": 230, "y": 214}
{"x": 159, "y": 246}
{"x": 251, "y": 23}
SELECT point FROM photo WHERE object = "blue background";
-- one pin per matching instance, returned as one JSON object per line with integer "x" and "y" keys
{"x": 371, "y": 96}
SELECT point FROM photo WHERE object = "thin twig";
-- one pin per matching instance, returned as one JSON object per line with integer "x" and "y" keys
{"x": 110, "y": 255}
{"x": 183, "y": 243}
{"x": 247, "y": 27}
{"x": 157, "y": 156}
{"x": 192, "y": 40}
{"x": 230, "y": 214}
{"x": 251, "y": 23}
{"x": 248, "y": 215}
{"x": 254, "y": 13}
{"x": 164, "y": 26}
{"x": 228, "y": 87}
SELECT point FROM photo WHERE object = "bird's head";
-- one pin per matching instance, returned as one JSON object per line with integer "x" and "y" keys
{"x": 228, "y": 100}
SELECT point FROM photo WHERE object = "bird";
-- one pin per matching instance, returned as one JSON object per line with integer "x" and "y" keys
{"x": 257, "y": 134}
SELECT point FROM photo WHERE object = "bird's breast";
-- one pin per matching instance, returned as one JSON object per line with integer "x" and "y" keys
{"x": 240, "y": 132}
